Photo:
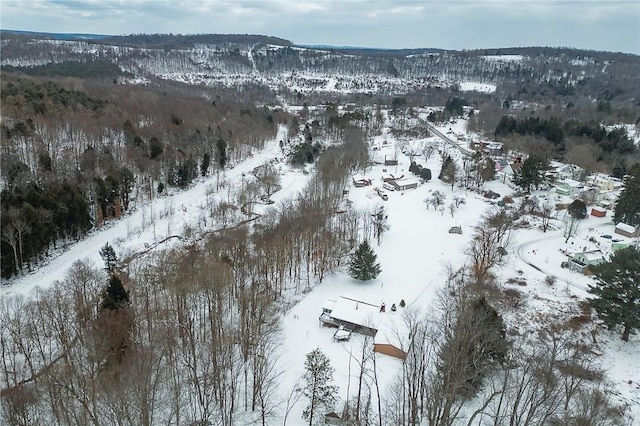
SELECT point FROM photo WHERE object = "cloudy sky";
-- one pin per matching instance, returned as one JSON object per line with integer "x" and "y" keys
{"x": 612, "y": 25}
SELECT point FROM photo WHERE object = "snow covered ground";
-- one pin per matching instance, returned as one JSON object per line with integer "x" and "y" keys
{"x": 468, "y": 86}
{"x": 414, "y": 255}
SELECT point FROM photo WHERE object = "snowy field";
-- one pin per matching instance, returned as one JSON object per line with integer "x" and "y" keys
{"x": 414, "y": 255}
{"x": 469, "y": 86}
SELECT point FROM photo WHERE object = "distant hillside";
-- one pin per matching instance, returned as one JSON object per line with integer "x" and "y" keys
{"x": 180, "y": 41}
{"x": 373, "y": 51}
{"x": 151, "y": 41}
{"x": 532, "y": 74}
{"x": 50, "y": 36}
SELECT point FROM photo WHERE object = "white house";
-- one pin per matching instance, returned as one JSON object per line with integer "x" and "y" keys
{"x": 404, "y": 183}
{"x": 581, "y": 261}
{"x": 569, "y": 187}
{"x": 351, "y": 313}
{"x": 602, "y": 181}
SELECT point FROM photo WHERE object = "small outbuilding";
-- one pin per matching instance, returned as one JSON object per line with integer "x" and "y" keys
{"x": 390, "y": 161}
{"x": 627, "y": 230}
{"x": 598, "y": 211}
{"x": 389, "y": 349}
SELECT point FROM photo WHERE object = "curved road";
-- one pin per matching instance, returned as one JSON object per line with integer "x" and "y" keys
{"x": 521, "y": 247}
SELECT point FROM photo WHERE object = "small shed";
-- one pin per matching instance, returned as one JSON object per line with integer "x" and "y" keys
{"x": 390, "y": 161}
{"x": 598, "y": 211}
{"x": 627, "y": 230}
{"x": 389, "y": 349}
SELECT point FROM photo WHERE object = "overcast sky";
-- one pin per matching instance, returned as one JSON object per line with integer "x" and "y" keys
{"x": 612, "y": 25}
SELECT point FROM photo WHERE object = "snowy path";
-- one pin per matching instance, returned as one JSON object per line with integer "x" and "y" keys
{"x": 135, "y": 232}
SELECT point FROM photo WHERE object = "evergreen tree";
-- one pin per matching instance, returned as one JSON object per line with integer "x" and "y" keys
{"x": 448, "y": 171}
{"x": 115, "y": 296}
{"x": 126, "y": 180}
{"x": 487, "y": 169}
{"x": 362, "y": 265}
{"x": 156, "y": 147}
{"x": 577, "y": 209}
{"x": 532, "y": 173}
{"x": 204, "y": 165}
{"x": 455, "y": 106}
{"x": 617, "y": 291}
{"x": 317, "y": 378}
{"x": 221, "y": 153}
{"x": 628, "y": 206}
{"x": 425, "y": 174}
{"x": 109, "y": 257}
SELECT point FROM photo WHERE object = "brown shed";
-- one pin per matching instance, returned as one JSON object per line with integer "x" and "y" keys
{"x": 389, "y": 349}
{"x": 598, "y": 211}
